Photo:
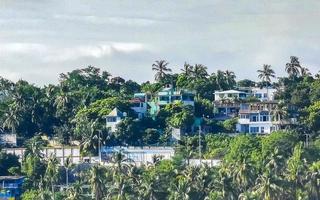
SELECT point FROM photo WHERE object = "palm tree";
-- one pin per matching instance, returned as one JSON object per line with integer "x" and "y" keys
{"x": 292, "y": 68}
{"x": 187, "y": 69}
{"x": 75, "y": 192}
{"x": 200, "y": 71}
{"x": 313, "y": 181}
{"x": 230, "y": 78}
{"x": 266, "y": 73}
{"x": 243, "y": 174}
{"x": 296, "y": 168}
{"x": 52, "y": 171}
{"x": 305, "y": 71}
{"x": 220, "y": 79}
{"x": 11, "y": 119}
{"x": 97, "y": 181}
{"x": 266, "y": 187}
{"x": 180, "y": 190}
{"x": 317, "y": 76}
{"x": 161, "y": 68}
{"x": 68, "y": 165}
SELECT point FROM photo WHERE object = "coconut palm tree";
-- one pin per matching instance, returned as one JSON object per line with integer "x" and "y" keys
{"x": 52, "y": 171}
{"x": 220, "y": 79}
{"x": 243, "y": 174}
{"x": 293, "y": 67}
{"x": 75, "y": 192}
{"x": 266, "y": 73}
{"x": 187, "y": 69}
{"x": 11, "y": 119}
{"x": 180, "y": 190}
{"x": 267, "y": 188}
{"x": 97, "y": 181}
{"x": 296, "y": 169}
{"x": 313, "y": 181}
{"x": 305, "y": 71}
{"x": 200, "y": 71}
{"x": 161, "y": 68}
{"x": 230, "y": 78}
{"x": 68, "y": 165}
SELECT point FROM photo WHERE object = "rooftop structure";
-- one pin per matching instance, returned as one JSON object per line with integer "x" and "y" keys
{"x": 138, "y": 155}
{"x": 10, "y": 187}
{"x": 258, "y": 117}
{"x": 114, "y": 118}
{"x": 8, "y": 139}
{"x": 142, "y": 102}
{"x": 62, "y": 153}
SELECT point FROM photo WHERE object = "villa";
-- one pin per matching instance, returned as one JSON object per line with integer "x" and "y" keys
{"x": 143, "y": 103}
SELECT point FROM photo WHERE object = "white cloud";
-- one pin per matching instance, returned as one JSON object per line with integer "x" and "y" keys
{"x": 93, "y": 51}
{"x": 21, "y": 48}
{"x": 98, "y": 20}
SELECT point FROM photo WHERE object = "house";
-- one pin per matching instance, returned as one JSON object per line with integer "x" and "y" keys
{"x": 263, "y": 94}
{"x": 62, "y": 153}
{"x": 114, "y": 118}
{"x": 139, "y": 104}
{"x": 229, "y": 95}
{"x": 258, "y": 117}
{"x": 10, "y": 187}
{"x": 143, "y": 104}
{"x": 8, "y": 139}
{"x": 138, "y": 155}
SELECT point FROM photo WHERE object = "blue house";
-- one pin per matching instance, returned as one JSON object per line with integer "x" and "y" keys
{"x": 10, "y": 187}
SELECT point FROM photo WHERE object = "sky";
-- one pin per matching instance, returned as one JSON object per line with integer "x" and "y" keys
{"x": 41, "y": 39}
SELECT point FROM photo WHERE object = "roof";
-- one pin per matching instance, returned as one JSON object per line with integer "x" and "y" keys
{"x": 229, "y": 92}
{"x": 2, "y": 178}
{"x": 137, "y": 100}
{"x": 115, "y": 113}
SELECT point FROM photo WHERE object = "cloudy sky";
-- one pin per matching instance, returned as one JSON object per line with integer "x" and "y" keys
{"x": 40, "y": 39}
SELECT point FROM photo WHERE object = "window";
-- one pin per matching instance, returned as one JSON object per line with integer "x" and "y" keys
{"x": 176, "y": 98}
{"x": 264, "y": 118}
{"x": 262, "y": 129}
{"x": 254, "y": 118}
{"x": 265, "y": 95}
{"x": 258, "y": 95}
{"x": 164, "y": 98}
{"x": 254, "y": 129}
{"x": 111, "y": 119}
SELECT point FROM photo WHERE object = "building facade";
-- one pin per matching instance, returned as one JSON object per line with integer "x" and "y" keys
{"x": 11, "y": 187}
{"x": 114, "y": 118}
{"x": 138, "y": 155}
{"x": 258, "y": 117}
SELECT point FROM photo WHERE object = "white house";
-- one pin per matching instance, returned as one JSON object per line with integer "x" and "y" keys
{"x": 8, "y": 139}
{"x": 114, "y": 118}
{"x": 62, "y": 153}
{"x": 264, "y": 94}
{"x": 257, "y": 118}
{"x": 229, "y": 95}
{"x": 138, "y": 155}
{"x": 139, "y": 104}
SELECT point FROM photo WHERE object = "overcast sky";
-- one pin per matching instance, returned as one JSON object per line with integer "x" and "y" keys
{"x": 40, "y": 39}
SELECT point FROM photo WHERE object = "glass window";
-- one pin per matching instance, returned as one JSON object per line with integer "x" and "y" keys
{"x": 262, "y": 129}
{"x": 164, "y": 98}
{"x": 254, "y": 129}
{"x": 111, "y": 119}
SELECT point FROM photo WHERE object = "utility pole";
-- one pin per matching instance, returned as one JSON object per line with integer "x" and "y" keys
{"x": 99, "y": 146}
{"x": 200, "y": 143}
{"x": 307, "y": 139}
{"x": 200, "y": 139}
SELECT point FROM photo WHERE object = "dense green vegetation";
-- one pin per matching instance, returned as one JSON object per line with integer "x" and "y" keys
{"x": 278, "y": 166}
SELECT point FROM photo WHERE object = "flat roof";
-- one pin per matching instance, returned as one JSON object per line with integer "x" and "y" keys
{"x": 10, "y": 177}
{"x": 229, "y": 92}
